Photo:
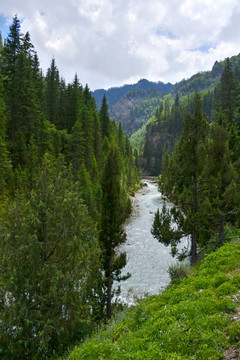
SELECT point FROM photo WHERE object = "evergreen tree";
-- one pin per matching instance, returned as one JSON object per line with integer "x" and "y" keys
{"x": 176, "y": 117}
{"x": 78, "y": 145}
{"x": 48, "y": 268}
{"x": 221, "y": 183}
{"x": 111, "y": 234}
{"x": 38, "y": 80}
{"x": 67, "y": 177}
{"x": 185, "y": 170}
{"x": 5, "y": 167}
{"x": 11, "y": 50}
{"x": 121, "y": 138}
{"x": 104, "y": 118}
{"x": 228, "y": 93}
{"x": 52, "y": 94}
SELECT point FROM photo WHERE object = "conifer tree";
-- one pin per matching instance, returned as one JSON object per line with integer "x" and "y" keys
{"x": 185, "y": 169}
{"x": 38, "y": 80}
{"x": 5, "y": 167}
{"x": 52, "y": 93}
{"x": 228, "y": 93}
{"x": 104, "y": 118}
{"x": 77, "y": 148}
{"x": 11, "y": 50}
{"x": 111, "y": 233}
{"x": 221, "y": 182}
{"x": 48, "y": 267}
{"x": 121, "y": 138}
{"x": 72, "y": 170}
{"x": 96, "y": 135}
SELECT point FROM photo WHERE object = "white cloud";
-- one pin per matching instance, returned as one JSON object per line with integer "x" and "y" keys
{"x": 111, "y": 42}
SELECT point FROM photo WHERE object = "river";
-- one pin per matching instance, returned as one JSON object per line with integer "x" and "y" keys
{"x": 147, "y": 259}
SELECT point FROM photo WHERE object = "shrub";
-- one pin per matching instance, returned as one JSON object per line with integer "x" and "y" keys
{"x": 178, "y": 271}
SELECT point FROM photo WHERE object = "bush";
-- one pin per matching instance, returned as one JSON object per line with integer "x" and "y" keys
{"x": 178, "y": 271}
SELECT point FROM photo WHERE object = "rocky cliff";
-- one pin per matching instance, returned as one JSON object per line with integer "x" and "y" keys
{"x": 158, "y": 142}
{"x": 135, "y": 108}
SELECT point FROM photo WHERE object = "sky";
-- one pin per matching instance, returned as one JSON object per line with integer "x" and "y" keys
{"x": 114, "y": 42}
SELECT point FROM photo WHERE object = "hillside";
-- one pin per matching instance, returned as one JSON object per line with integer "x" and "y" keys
{"x": 114, "y": 94}
{"x": 206, "y": 80}
{"x": 160, "y": 133}
{"x": 195, "y": 318}
{"x": 128, "y": 103}
{"x": 135, "y": 108}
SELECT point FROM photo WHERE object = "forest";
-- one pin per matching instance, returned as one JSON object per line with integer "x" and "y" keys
{"x": 66, "y": 173}
{"x": 197, "y": 315}
{"x": 202, "y": 174}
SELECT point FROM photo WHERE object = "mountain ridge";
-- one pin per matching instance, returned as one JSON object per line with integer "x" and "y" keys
{"x": 114, "y": 94}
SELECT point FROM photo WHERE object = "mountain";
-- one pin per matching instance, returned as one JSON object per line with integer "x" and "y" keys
{"x": 207, "y": 79}
{"x": 135, "y": 108}
{"x": 160, "y": 133}
{"x": 114, "y": 94}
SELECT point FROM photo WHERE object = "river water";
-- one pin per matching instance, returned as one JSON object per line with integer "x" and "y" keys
{"x": 147, "y": 259}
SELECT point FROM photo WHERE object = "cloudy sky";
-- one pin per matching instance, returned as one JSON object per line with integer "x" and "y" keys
{"x": 113, "y": 42}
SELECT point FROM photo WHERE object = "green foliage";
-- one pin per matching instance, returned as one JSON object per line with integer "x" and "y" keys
{"x": 115, "y": 94}
{"x": 52, "y": 94}
{"x": 228, "y": 89}
{"x": 202, "y": 174}
{"x": 50, "y": 244}
{"x": 111, "y": 231}
{"x": 56, "y": 163}
{"x": 178, "y": 271}
{"x": 163, "y": 228}
{"x": 182, "y": 175}
{"x": 189, "y": 320}
{"x": 135, "y": 108}
{"x": 5, "y": 165}
{"x": 104, "y": 118}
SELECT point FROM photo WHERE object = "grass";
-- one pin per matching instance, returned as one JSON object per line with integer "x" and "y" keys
{"x": 192, "y": 319}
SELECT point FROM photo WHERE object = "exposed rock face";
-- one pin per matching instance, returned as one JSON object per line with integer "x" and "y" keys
{"x": 133, "y": 110}
{"x": 158, "y": 142}
{"x": 123, "y": 111}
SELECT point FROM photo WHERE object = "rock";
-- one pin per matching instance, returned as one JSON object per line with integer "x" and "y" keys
{"x": 158, "y": 142}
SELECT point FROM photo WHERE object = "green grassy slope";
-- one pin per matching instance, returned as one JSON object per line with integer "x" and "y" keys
{"x": 194, "y": 319}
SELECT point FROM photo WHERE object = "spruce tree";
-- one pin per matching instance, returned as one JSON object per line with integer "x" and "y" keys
{"x": 49, "y": 267}
{"x": 221, "y": 183}
{"x": 228, "y": 93}
{"x": 5, "y": 166}
{"x": 184, "y": 172}
{"x": 104, "y": 118}
{"x": 11, "y": 50}
{"x": 52, "y": 93}
{"x": 111, "y": 233}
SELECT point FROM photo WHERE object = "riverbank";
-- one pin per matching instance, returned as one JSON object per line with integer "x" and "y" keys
{"x": 144, "y": 190}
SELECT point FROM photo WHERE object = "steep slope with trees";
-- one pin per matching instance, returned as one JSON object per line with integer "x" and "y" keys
{"x": 197, "y": 317}
{"x": 170, "y": 114}
{"x": 202, "y": 175}
{"x": 135, "y": 108}
{"x": 65, "y": 167}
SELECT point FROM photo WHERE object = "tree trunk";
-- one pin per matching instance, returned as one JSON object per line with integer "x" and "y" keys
{"x": 194, "y": 231}
{"x": 194, "y": 248}
{"x": 109, "y": 289}
{"x": 221, "y": 232}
